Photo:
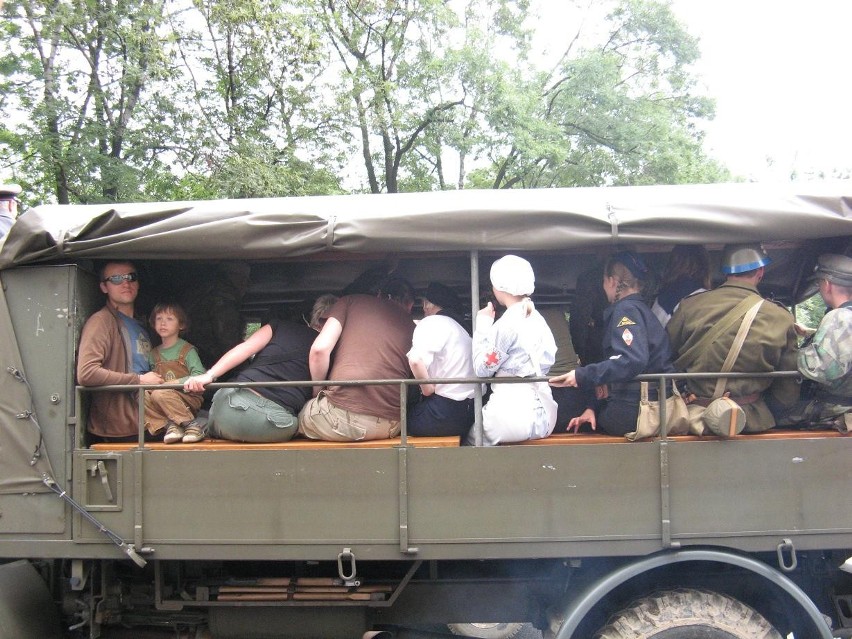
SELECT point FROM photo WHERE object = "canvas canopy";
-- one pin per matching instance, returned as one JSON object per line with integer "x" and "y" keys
{"x": 546, "y": 219}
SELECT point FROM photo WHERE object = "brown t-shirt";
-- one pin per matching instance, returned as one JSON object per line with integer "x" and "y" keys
{"x": 373, "y": 345}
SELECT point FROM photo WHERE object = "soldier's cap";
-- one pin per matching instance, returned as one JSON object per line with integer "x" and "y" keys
{"x": 442, "y": 296}
{"x": 834, "y": 268}
{"x": 9, "y": 191}
{"x": 633, "y": 263}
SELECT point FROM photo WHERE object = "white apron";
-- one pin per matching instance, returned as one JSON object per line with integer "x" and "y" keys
{"x": 518, "y": 412}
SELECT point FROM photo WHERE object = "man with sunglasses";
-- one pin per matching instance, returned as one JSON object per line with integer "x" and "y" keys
{"x": 114, "y": 349}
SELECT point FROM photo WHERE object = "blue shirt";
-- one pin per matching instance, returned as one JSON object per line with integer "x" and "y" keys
{"x": 140, "y": 344}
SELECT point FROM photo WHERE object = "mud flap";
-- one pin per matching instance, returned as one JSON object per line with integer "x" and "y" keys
{"x": 26, "y": 608}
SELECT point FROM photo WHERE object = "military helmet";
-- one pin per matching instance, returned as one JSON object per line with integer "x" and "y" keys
{"x": 739, "y": 258}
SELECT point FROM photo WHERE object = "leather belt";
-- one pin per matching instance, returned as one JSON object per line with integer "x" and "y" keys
{"x": 631, "y": 390}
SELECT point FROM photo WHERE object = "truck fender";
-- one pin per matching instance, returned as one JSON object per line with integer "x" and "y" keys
{"x": 27, "y": 610}
{"x": 577, "y": 609}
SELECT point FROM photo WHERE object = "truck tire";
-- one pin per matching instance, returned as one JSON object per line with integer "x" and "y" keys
{"x": 687, "y": 614}
{"x": 486, "y": 630}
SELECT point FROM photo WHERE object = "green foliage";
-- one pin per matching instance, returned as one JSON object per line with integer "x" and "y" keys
{"x": 618, "y": 109}
{"x": 105, "y": 100}
{"x": 810, "y": 312}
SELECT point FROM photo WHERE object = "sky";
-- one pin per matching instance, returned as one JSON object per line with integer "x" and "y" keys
{"x": 779, "y": 71}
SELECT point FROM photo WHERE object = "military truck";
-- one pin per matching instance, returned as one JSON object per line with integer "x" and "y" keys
{"x": 580, "y": 535}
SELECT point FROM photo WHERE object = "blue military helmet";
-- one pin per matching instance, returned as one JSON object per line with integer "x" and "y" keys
{"x": 740, "y": 258}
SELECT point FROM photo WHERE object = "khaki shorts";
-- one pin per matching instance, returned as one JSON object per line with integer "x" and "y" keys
{"x": 320, "y": 419}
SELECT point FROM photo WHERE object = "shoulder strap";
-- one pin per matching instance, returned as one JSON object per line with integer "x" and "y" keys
{"x": 734, "y": 352}
{"x": 184, "y": 351}
{"x": 691, "y": 355}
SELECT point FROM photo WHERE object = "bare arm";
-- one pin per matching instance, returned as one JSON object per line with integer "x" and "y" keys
{"x": 420, "y": 372}
{"x": 234, "y": 357}
{"x": 319, "y": 359}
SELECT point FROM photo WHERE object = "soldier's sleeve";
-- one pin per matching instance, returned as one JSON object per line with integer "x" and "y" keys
{"x": 823, "y": 360}
{"x": 786, "y": 390}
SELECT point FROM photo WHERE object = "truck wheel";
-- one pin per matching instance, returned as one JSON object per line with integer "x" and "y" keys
{"x": 486, "y": 630}
{"x": 687, "y": 614}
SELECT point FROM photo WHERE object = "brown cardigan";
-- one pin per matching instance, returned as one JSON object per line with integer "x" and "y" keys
{"x": 104, "y": 359}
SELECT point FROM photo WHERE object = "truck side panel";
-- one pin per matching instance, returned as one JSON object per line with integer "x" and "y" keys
{"x": 512, "y": 501}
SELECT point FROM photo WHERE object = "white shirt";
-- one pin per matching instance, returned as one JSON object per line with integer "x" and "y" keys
{"x": 444, "y": 347}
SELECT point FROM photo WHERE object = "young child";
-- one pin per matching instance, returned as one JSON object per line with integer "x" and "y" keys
{"x": 176, "y": 360}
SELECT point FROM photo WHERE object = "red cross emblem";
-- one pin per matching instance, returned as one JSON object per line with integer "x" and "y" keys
{"x": 491, "y": 359}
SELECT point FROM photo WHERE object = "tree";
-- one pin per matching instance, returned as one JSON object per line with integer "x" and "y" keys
{"x": 811, "y": 311}
{"x": 618, "y": 108}
{"x": 257, "y": 126}
{"x": 107, "y": 100}
{"x": 80, "y": 70}
{"x": 402, "y": 81}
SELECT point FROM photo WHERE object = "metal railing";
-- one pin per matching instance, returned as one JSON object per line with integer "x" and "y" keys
{"x": 660, "y": 379}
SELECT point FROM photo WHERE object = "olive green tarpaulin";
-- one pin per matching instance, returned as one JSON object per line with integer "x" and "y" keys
{"x": 543, "y": 219}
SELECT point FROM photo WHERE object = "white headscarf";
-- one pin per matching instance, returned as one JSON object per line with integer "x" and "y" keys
{"x": 513, "y": 275}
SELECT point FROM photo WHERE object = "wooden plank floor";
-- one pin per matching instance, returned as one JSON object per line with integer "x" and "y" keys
{"x": 294, "y": 444}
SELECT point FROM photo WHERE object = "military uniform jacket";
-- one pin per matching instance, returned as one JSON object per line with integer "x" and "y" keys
{"x": 634, "y": 343}
{"x": 769, "y": 346}
{"x": 827, "y": 358}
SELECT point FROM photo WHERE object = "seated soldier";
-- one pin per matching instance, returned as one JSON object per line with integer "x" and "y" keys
{"x": 702, "y": 332}
{"x": 825, "y": 359}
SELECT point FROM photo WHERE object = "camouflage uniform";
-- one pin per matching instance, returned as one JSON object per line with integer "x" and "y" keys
{"x": 770, "y": 346}
{"x": 826, "y": 359}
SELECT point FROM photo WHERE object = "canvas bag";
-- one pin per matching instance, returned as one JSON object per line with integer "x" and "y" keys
{"x": 648, "y": 421}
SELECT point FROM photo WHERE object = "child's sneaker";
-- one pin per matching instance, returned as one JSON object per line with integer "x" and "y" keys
{"x": 174, "y": 433}
{"x": 193, "y": 432}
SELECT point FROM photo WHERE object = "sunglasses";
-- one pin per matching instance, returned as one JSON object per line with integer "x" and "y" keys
{"x": 118, "y": 279}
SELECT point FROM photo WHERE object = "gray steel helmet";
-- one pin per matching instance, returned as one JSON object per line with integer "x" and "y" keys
{"x": 739, "y": 258}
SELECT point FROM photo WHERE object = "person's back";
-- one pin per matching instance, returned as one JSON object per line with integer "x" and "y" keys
{"x": 770, "y": 344}
{"x": 451, "y": 357}
{"x": 8, "y": 207}
{"x": 441, "y": 348}
{"x": 518, "y": 344}
{"x": 373, "y": 344}
{"x": 284, "y": 358}
{"x": 586, "y": 317}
